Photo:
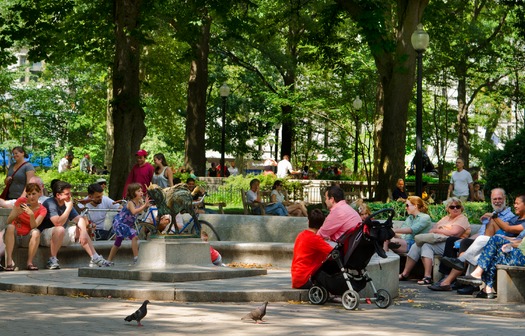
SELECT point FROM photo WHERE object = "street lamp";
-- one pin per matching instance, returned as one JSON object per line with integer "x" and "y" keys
{"x": 419, "y": 41}
{"x": 358, "y": 103}
{"x": 224, "y": 92}
{"x": 277, "y": 127}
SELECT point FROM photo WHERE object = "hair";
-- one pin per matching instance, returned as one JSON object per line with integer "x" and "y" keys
{"x": 276, "y": 184}
{"x": 21, "y": 150}
{"x": 176, "y": 180}
{"x": 190, "y": 179}
{"x": 500, "y": 189}
{"x": 252, "y": 182}
{"x": 132, "y": 189}
{"x": 336, "y": 192}
{"x": 361, "y": 207}
{"x": 521, "y": 197}
{"x": 419, "y": 203}
{"x": 95, "y": 187}
{"x": 162, "y": 159}
{"x": 53, "y": 181}
{"x": 33, "y": 187}
{"x": 454, "y": 200}
{"x": 58, "y": 186}
{"x": 316, "y": 219}
{"x": 399, "y": 180}
{"x": 38, "y": 180}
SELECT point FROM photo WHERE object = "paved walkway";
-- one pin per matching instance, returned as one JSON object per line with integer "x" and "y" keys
{"x": 416, "y": 311}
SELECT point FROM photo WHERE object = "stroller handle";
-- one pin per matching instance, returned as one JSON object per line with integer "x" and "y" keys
{"x": 391, "y": 215}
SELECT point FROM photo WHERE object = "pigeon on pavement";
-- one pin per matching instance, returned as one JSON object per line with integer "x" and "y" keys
{"x": 139, "y": 314}
{"x": 257, "y": 314}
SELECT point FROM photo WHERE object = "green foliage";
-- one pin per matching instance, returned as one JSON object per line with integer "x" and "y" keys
{"x": 505, "y": 167}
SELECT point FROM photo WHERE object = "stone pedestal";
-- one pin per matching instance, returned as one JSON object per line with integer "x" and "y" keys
{"x": 162, "y": 253}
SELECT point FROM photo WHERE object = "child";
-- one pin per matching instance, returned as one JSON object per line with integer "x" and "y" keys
{"x": 216, "y": 257}
{"x": 124, "y": 221}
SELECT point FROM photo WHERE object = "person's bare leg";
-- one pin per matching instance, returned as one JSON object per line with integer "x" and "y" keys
{"x": 9, "y": 240}
{"x": 33, "y": 246}
{"x": 134, "y": 246}
{"x": 84, "y": 238}
{"x": 409, "y": 265}
{"x": 113, "y": 252}
{"x": 427, "y": 265}
{"x": 454, "y": 273}
{"x": 57, "y": 236}
{"x": 477, "y": 273}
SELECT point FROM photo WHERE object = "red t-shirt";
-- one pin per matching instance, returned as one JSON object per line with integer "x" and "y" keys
{"x": 309, "y": 251}
{"x": 22, "y": 222}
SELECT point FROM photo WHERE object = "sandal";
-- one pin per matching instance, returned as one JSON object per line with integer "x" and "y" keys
{"x": 425, "y": 281}
{"x": 9, "y": 268}
{"x": 402, "y": 277}
{"x": 32, "y": 267}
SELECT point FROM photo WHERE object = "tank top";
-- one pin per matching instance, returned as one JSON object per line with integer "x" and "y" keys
{"x": 160, "y": 179}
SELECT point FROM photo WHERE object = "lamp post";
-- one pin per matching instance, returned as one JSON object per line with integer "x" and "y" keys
{"x": 277, "y": 127}
{"x": 419, "y": 41}
{"x": 224, "y": 92}
{"x": 358, "y": 103}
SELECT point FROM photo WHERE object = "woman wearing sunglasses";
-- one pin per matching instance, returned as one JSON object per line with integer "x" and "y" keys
{"x": 418, "y": 221}
{"x": 455, "y": 224}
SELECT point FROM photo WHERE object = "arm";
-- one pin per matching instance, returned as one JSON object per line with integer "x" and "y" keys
{"x": 450, "y": 189}
{"x": 62, "y": 219}
{"x": 135, "y": 210}
{"x": 169, "y": 176}
{"x": 515, "y": 229}
{"x": 471, "y": 189}
{"x": 15, "y": 212}
{"x": 273, "y": 198}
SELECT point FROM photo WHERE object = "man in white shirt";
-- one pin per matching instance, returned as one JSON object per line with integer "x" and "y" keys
{"x": 64, "y": 163}
{"x": 461, "y": 182}
{"x": 232, "y": 169}
{"x": 98, "y": 202}
{"x": 284, "y": 167}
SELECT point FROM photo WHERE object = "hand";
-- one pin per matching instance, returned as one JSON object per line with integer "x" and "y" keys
{"x": 8, "y": 180}
{"x": 27, "y": 209}
{"x": 69, "y": 204}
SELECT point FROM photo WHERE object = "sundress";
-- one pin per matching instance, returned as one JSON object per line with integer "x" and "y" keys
{"x": 124, "y": 223}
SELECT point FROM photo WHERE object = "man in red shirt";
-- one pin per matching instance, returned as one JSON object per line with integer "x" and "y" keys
{"x": 309, "y": 252}
{"x": 142, "y": 173}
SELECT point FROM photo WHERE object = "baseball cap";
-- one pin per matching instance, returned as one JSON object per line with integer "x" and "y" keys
{"x": 141, "y": 152}
{"x": 101, "y": 180}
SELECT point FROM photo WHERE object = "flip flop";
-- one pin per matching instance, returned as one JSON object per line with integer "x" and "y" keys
{"x": 9, "y": 268}
{"x": 32, "y": 267}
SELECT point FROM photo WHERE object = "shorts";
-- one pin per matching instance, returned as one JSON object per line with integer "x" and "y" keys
{"x": 69, "y": 236}
{"x": 23, "y": 241}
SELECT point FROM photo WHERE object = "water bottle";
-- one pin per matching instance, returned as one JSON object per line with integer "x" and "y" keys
{"x": 507, "y": 248}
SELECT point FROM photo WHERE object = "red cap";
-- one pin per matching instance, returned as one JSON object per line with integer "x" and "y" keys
{"x": 141, "y": 152}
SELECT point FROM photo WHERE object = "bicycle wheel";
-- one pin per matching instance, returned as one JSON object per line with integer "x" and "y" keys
{"x": 210, "y": 230}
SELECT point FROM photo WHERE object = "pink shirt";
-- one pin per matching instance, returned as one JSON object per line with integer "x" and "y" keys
{"x": 141, "y": 175}
{"x": 340, "y": 219}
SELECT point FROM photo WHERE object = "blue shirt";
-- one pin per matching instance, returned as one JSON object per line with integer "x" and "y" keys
{"x": 505, "y": 215}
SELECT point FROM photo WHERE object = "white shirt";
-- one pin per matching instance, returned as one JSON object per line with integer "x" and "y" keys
{"x": 98, "y": 217}
{"x": 283, "y": 167}
{"x": 62, "y": 165}
{"x": 461, "y": 181}
{"x": 233, "y": 171}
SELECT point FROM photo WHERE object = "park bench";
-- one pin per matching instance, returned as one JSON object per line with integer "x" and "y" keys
{"x": 510, "y": 283}
{"x": 249, "y": 207}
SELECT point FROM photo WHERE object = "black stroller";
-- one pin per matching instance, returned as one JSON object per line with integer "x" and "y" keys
{"x": 344, "y": 270}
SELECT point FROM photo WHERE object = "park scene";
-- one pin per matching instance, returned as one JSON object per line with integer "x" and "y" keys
{"x": 262, "y": 167}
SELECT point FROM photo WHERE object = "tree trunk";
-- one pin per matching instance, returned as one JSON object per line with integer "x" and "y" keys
{"x": 196, "y": 111}
{"x": 396, "y": 76}
{"x": 128, "y": 116}
{"x": 110, "y": 130}
{"x": 463, "y": 134}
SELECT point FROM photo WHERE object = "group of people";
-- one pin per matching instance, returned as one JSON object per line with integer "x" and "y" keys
{"x": 279, "y": 205}
{"x": 216, "y": 170}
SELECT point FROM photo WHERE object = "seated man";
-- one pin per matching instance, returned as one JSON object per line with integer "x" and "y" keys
{"x": 55, "y": 230}
{"x": 97, "y": 201}
{"x": 254, "y": 196}
{"x": 309, "y": 251}
{"x": 341, "y": 217}
{"x": 197, "y": 192}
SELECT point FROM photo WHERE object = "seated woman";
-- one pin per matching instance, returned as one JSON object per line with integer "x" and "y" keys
{"x": 24, "y": 220}
{"x": 418, "y": 221}
{"x": 500, "y": 250}
{"x": 254, "y": 196}
{"x": 277, "y": 196}
{"x": 454, "y": 224}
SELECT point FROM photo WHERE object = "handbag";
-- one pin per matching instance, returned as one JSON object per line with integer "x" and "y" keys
{"x": 5, "y": 193}
{"x": 430, "y": 238}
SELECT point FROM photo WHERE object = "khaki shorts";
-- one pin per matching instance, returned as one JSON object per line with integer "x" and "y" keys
{"x": 69, "y": 236}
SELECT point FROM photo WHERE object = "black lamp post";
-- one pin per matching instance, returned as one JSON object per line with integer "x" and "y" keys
{"x": 276, "y": 127}
{"x": 419, "y": 41}
{"x": 224, "y": 92}
{"x": 358, "y": 103}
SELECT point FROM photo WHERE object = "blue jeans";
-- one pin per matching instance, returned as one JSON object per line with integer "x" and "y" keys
{"x": 273, "y": 209}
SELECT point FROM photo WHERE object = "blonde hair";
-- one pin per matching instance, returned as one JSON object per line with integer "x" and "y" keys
{"x": 453, "y": 200}
{"x": 361, "y": 207}
{"x": 419, "y": 203}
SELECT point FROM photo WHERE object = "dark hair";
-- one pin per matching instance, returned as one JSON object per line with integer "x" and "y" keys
{"x": 33, "y": 187}
{"x": 59, "y": 186}
{"x": 336, "y": 192}
{"x": 95, "y": 187}
{"x": 176, "y": 180}
{"x": 522, "y": 198}
{"x": 132, "y": 189}
{"x": 276, "y": 184}
{"x": 315, "y": 219}
{"x": 252, "y": 182}
{"x": 162, "y": 159}
{"x": 21, "y": 150}
{"x": 190, "y": 179}
{"x": 53, "y": 181}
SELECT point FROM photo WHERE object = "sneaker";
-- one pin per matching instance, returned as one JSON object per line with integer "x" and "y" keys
{"x": 99, "y": 262}
{"x": 52, "y": 264}
{"x": 110, "y": 263}
{"x": 135, "y": 260}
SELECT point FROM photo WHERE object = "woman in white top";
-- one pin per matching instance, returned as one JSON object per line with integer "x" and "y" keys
{"x": 163, "y": 176}
{"x": 294, "y": 209}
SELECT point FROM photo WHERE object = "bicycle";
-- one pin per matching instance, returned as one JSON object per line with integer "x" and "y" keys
{"x": 193, "y": 226}
{"x": 108, "y": 221}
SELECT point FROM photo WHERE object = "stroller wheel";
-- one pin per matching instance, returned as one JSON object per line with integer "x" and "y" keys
{"x": 350, "y": 299}
{"x": 383, "y": 298}
{"x": 317, "y": 295}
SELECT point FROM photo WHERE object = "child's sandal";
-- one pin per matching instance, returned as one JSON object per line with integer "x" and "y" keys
{"x": 425, "y": 281}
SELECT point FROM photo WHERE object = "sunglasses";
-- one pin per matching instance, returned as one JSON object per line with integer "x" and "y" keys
{"x": 455, "y": 207}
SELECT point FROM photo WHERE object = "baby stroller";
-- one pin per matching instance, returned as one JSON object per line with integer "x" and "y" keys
{"x": 344, "y": 270}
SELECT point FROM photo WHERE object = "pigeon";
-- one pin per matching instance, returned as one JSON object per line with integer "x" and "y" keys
{"x": 139, "y": 314}
{"x": 257, "y": 314}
